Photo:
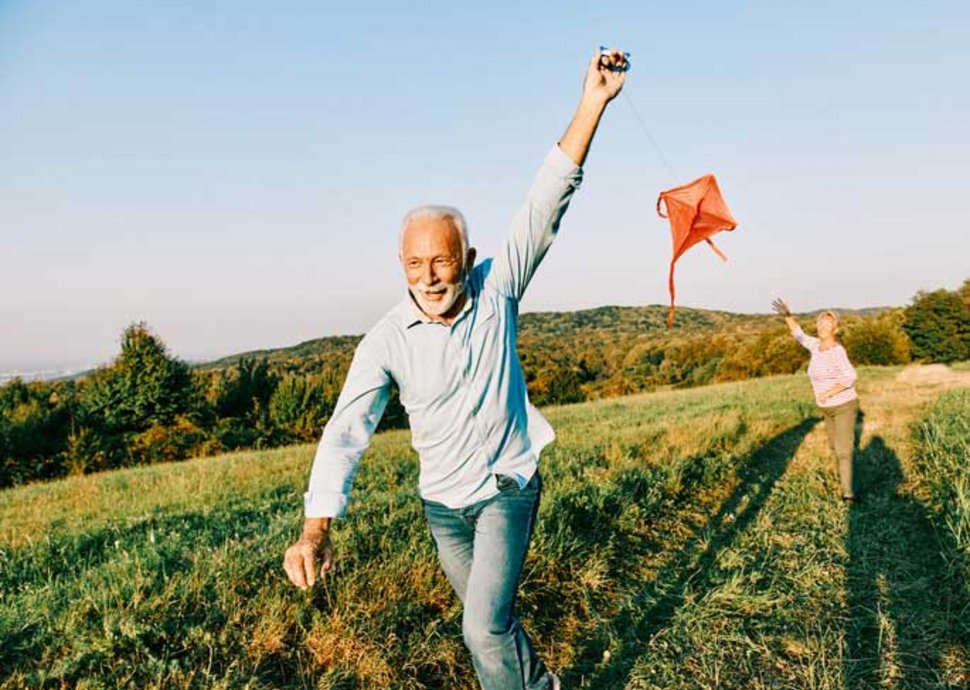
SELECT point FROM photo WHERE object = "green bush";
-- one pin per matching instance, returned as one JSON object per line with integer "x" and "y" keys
{"x": 879, "y": 340}
{"x": 143, "y": 387}
{"x": 178, "y": 441}
{"x": 245, "y": 389}
{"x": 35, "y": 421}
{"x": 300, "y": 406}
{"x": 938, "y": 325}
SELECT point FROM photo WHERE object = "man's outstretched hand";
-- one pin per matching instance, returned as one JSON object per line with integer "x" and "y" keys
{"x": 605, "y": 76}
{"x": 312, "y": 550}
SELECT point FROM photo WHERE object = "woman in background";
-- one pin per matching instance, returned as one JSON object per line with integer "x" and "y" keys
{"x": 833, "y": 382}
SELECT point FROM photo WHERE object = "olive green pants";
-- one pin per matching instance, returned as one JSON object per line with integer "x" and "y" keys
{"x": 840, "y": 427}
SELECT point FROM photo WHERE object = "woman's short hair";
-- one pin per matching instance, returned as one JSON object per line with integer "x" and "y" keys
{"x": 832, "y": 314}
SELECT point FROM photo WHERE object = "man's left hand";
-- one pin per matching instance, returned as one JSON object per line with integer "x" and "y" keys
{"x": 604, "y": 79}
{"x": 605, "y": 76}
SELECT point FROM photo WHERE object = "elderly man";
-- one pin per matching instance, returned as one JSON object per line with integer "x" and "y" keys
{"x": 450, "y": 347}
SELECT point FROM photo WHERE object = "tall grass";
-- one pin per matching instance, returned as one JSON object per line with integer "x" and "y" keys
{"x": 943, "y": 459}
{"x": 685, "y": 539}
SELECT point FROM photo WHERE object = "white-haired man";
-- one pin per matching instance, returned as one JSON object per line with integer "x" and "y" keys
{"x": 450, "y": 347}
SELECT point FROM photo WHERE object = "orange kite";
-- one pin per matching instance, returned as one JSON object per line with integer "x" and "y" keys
{"x": 696, "y": 211}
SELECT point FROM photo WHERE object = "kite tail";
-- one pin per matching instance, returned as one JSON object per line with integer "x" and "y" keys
{"x": 716, "y": 250}
{"x": 670, "y": 279}
{"x": 670, "y": 285}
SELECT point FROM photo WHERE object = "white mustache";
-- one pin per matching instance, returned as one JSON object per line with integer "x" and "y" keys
{"x": 438, "y": 289}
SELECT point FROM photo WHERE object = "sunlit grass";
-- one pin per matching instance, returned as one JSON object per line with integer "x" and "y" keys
{"x": 686, "y": 539}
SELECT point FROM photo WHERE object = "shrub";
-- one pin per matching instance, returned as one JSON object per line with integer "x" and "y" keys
{"x": 878, "y": 340}
{"x": 938, "y": 325}
{"x": 142, "y": 388}
{"x": 35, "y": 421}
{"x": 178, "y": 441}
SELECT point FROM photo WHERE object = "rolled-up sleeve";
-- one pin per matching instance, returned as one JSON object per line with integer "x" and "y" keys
{"x": 347, "y": 434}
{"x": 535, "y": 226}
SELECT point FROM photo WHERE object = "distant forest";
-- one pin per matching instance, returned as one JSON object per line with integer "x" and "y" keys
{"x": 148, "y": 406}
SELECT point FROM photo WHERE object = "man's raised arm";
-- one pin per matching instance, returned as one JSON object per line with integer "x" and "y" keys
{"x": 604, "y": 79}
{"x": 535, "y": 226}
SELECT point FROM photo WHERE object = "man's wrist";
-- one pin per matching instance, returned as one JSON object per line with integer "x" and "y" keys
{"x": 315, "y": 530}
{"x": 594, "y": 102}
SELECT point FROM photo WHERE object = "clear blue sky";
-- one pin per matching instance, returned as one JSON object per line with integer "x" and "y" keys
{"x": 234, "y": 173}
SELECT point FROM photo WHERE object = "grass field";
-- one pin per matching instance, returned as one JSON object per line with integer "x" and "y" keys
{"x": 687, "y": 539}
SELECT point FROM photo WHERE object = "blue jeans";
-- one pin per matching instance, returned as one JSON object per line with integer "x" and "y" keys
{"x": 482, "y": 548}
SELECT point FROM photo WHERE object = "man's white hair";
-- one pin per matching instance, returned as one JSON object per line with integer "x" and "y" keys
{"x": 438, "y": 212}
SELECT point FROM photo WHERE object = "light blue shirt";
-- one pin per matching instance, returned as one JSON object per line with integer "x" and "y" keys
{"x": 461, "y": 384}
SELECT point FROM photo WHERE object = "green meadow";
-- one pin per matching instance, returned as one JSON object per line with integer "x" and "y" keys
{"x": 687, "y": 539}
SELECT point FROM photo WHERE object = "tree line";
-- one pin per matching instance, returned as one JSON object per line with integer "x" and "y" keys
{"x": 148, "y": 406}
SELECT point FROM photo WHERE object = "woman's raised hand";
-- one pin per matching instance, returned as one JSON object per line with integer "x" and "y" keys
{"x": 780, "y": 308}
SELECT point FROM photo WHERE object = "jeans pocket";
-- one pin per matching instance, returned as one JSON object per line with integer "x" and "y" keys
{"x": 506, "y": 484}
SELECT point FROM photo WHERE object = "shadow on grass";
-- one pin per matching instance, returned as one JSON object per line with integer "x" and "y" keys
{"x": 904, "y": 609}
{"x": 655, "y": 605}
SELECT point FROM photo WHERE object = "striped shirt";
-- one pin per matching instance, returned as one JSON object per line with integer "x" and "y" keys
{"x": 827, "y": 368}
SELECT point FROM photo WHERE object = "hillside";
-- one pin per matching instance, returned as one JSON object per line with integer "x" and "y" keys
{"x": 148, "y": 406}
{"x": 608, "y": 351}
{"x": 613, "y": 321}
{"x": 686, "y": 539}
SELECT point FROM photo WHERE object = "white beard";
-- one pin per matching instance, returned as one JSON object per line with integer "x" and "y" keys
{"x": 451, "y": 293}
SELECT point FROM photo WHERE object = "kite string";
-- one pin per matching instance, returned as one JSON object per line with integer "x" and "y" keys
{"x": 656, "y": 147}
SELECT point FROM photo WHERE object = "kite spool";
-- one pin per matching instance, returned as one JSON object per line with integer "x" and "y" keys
{"x": 606, "y": 52}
